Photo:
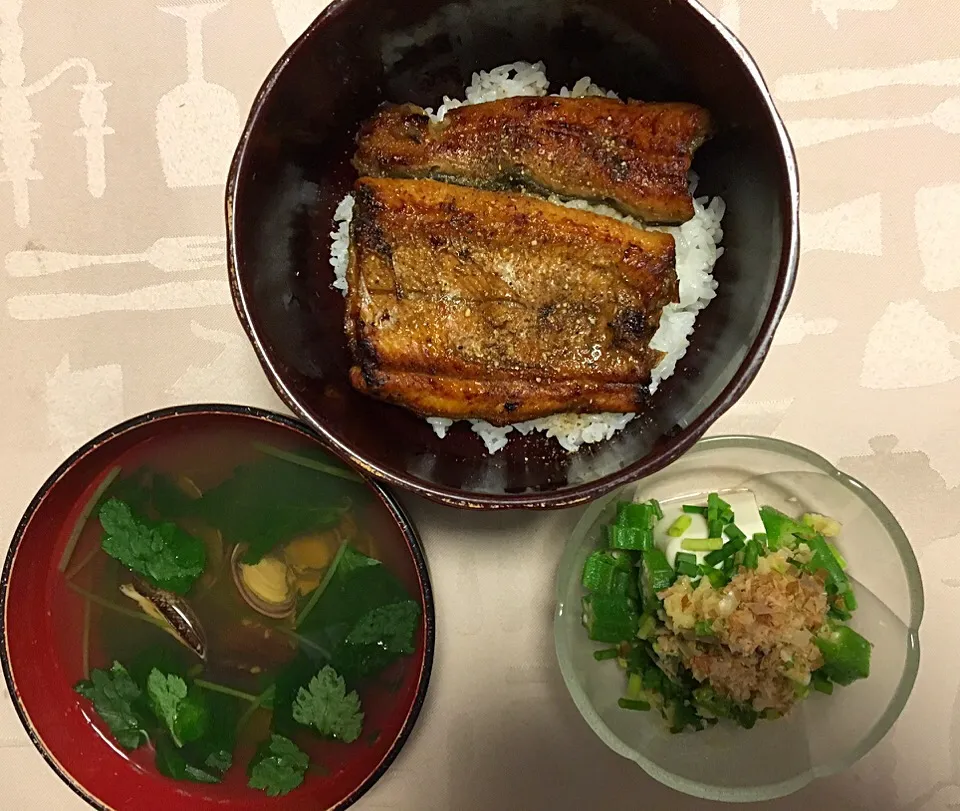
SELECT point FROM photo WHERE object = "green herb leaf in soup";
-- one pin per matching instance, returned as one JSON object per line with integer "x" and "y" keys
{"x": 220, "y": 760}
{"x": 212, "y": 754}
{"x": 164, "y": 554}
{"x": 391, "y": 627}
{"x": 272, "y": 501}
{"x": 326, "y": 706}
{"x": 171, "y": 763}
{"x": 362, "y": 621}
{"x": 114, "y": 694}
{"x": 182, "y": 709}
{"x": 208, "y": 758}
{"x": 149, "y": 492}
{"x": 278, "y": 767}
{"x": 353, "y": 560}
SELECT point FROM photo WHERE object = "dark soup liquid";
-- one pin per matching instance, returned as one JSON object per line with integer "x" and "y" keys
{"x": 242, "y": 613}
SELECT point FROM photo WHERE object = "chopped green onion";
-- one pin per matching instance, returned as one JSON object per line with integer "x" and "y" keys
{"x": 630, "y": 704}
{"x": 606, "y": 653}
{"x": 647, "y": 627}
{"x": 760, "y": 538}
{"x": 728, "y": 550}
{"x": 681, "y": 525}
{"x": 718, "y": 509}
{"x": 653, "y": 679}
{"x": 687, "y": 564}
{"x": 693, "y": 509}
{"x": 715, "y": 528}
{"x": 717, "y": 578}
{"x": 703, "y": 628}
{"x": 701, "y": 544}
{"x": 634, "y": 686}
{"x": 713, "y": 506}
{"x": 657, "y": 509}
{"x": 709, "y": 702}
{"x": 683, "y": 715}
{"x": 751, "y": 554}
{"x": 734, "y": 533}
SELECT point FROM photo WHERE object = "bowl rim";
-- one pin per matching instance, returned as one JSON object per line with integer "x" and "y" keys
{"x": 173, "y": 413}
{"x": 582, "y": 493}
{"x": 879, "y": 729}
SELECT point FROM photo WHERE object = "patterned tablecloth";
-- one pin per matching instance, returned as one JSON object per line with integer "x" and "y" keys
{"x": 115, "y": 301}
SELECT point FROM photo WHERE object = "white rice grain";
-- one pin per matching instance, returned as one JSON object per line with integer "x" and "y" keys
{"x": 697, "y": 250}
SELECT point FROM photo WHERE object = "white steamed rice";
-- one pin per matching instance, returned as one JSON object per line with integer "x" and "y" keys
{"x": 697, "y": 243}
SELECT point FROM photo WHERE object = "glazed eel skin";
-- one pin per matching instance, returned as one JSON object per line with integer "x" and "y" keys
{"x": 465, "y": 303}
{"x": 633, "y": 156}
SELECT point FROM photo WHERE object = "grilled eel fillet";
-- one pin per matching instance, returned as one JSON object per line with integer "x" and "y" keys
{"x": 633, "y": 156}
{"x": 498, "y": 306}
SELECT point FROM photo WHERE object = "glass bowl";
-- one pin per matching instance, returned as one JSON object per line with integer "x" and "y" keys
{"x": 824, "y": 734}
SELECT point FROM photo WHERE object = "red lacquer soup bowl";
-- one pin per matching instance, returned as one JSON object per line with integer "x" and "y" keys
{"x": 54, "y": 631}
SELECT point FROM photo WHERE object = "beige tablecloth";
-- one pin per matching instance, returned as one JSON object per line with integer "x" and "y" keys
{"x": 866, "y": 368}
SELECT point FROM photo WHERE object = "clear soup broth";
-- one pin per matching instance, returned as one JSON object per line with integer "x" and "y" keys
{"x": 292, "y": 573}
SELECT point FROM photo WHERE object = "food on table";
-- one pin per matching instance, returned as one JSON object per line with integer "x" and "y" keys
{"x": 475, "y": 304}
{"x": 580, "y": 145}
{"x": 236, "y": 615}
{"x": 719, "y": 609}
{"x": 633, "y": 156}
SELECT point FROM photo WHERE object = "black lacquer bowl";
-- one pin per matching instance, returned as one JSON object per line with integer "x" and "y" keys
{"x": 292, "y": 167}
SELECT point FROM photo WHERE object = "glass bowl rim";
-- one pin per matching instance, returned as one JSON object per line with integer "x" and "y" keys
{"x": 911, "y": 570}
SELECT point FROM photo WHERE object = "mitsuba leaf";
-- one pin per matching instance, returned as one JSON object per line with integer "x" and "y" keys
{"x": 363, "y": 621}
{"x": 163, "y": 553}
{"x": 325, "y": 705}
{"x": 171, "y": 763}
{"x": 278, "y": 766}
{"x": 271, "y": 501}
{"x": 152, "y": 494}
{"x": 114, "y": 695}
{"x": 391, "y": 627}
{"x": 181, "y": 708}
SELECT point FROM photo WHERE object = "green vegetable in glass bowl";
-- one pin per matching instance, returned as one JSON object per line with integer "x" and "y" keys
{"x": 711, "y": 623}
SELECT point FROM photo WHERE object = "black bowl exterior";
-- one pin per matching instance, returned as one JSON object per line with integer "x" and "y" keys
{"x": 292, "y": 167}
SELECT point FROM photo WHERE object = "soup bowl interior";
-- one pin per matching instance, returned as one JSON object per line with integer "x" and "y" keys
{"x": 45, "y": 632}
{"x": 824, "y": 734}
{"x": 292, "y": 168}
